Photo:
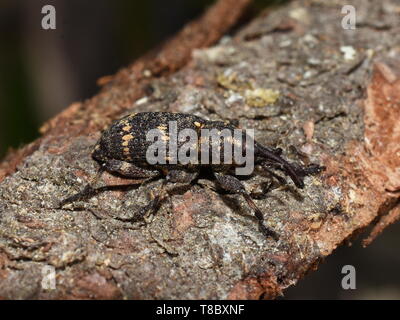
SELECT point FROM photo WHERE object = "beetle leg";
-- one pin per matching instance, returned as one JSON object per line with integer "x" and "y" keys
{"x": 87, "y": 191}
{"x": 181, "y": 176}
{"x": 233, "y": 184}
{"x": 310, "y": 169}
{"x": 123, "y": 168}
{"x": 149, "y": 208}
{"x": 265, "y": 168}
{"x": 129, "y": 170}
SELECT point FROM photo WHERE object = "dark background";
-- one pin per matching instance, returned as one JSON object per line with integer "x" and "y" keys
{"x": 42, "y": 72}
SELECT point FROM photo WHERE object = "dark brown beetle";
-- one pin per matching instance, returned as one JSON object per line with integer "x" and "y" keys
{"x": 123, "y": 149}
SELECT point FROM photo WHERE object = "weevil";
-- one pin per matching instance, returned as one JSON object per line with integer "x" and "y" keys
{"x": 123, "y": 149}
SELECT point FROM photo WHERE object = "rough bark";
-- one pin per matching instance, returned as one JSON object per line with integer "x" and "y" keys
{"x": 335, "y": 99}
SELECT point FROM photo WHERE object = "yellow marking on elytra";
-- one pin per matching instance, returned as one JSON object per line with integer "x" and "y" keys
{"x": 165, "y": 138}
{"x": 162, "y": 127}
{"x": 127, "y": 137}
{"x": 198, "y": 124}
{"x": 124, "y": 121}
{"x": 126, "y": 150}
{"x": 127, "y": 128}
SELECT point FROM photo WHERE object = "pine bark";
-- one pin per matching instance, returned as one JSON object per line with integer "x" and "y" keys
{"x": 322, "y": 93}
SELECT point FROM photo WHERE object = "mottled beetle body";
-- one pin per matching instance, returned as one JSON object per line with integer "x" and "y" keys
{"x": 123, "y": 147}
{"x": 126, "y": 140}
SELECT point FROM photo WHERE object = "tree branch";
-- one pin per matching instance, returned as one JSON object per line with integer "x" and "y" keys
{"x": 321, "y": 93}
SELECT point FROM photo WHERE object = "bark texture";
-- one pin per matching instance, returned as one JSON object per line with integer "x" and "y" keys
{"x": 298, "y": 78}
